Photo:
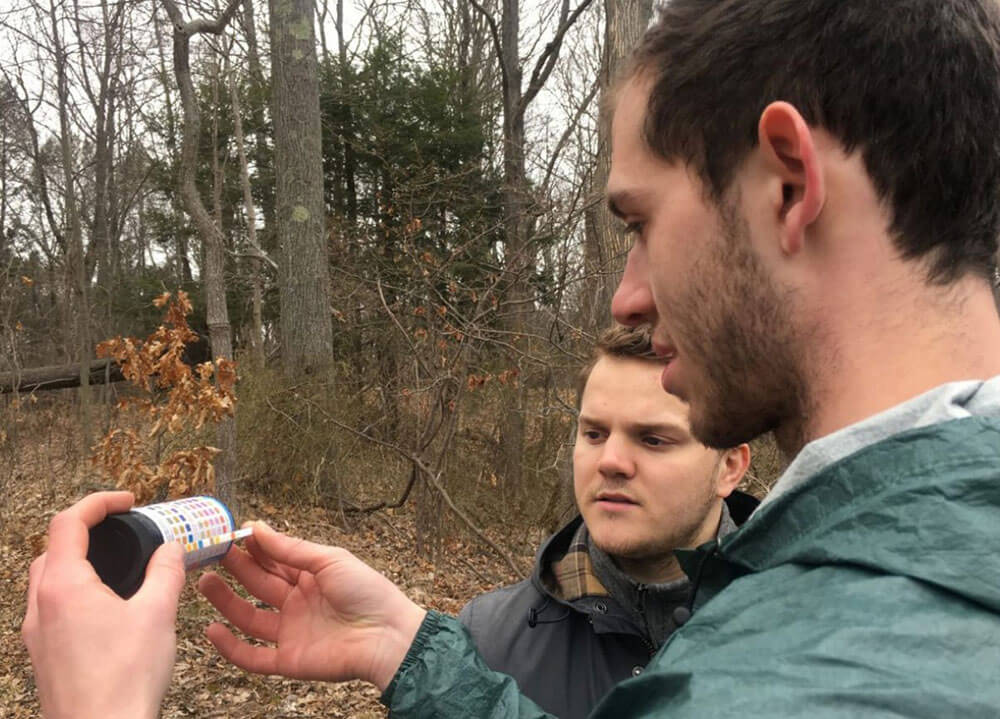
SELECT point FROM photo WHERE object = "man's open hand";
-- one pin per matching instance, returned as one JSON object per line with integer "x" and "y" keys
{"x": 335, "y": 617}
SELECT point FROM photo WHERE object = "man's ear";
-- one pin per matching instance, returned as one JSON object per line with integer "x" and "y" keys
{"x": 788, "y": 149}
{"x": 732, "y": 467}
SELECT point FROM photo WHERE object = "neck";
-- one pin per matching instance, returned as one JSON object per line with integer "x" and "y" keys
{"x": 915, "y": 341}
{"x": 659, "y": 570}
{"x": 664, "y": 567}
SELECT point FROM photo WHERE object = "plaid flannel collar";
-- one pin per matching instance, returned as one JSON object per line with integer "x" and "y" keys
{"x": 573, "y": 577}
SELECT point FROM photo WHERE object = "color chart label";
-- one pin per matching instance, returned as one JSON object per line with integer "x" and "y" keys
{"x": 203, "y": 525}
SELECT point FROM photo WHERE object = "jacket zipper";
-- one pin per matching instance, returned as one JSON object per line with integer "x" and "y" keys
{"x": 641, "y": 590}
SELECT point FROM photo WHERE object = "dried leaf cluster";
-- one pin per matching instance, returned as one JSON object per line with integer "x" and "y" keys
{"x": 174, "y": 398}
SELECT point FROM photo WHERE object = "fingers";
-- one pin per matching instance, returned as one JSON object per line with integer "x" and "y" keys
{"x": 260, "y": 660}
{"x": 250, "y": 620}
{"x": 263, "y": 582}
{"x": 31, "y": 615}
{"x": 164, "y": 576}
{"x": 289, "y": 574}
{"x": 68, "y": 530}
{"x": 297, "y": 553}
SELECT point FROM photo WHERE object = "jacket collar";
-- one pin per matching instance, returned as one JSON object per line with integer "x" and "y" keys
{"x": 573, "y": 575}
{"x": 564, "y": 574}
{"x": 923, "y": 503}
{"x": 564, "y": 559}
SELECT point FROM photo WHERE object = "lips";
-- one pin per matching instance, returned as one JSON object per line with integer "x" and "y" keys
{"x": 664, "y": 349}
{"x": 615, "y": 498}
{"x": 667, "y": 351}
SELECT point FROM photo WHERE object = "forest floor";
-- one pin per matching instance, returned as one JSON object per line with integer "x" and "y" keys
{"x": 39, "y": 482}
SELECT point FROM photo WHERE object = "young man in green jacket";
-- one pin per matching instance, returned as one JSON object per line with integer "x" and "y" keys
{"x": 812, "y": 187}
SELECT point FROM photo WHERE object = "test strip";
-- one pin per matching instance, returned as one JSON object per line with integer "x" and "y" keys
{"x": 231, "y": 536}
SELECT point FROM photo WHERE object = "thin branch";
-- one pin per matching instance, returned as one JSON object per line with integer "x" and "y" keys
{"x": 568, "y": 132}
{"x": 497, "y": 45}
{"x": 434, "y": 480}
{"x": 257, "y": 254}
{"x": 402, "y": 331}
{"x": 547, "y": 60}
{"x": 213, "y": 27}
{"x": 395, "y": 505}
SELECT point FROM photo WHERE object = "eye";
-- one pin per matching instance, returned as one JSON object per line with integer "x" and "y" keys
{"x": 593, "y": 435}
{"x": 654, "y": 441}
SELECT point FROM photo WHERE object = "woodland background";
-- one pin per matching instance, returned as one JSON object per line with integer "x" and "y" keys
{"x": 389, "y": 213}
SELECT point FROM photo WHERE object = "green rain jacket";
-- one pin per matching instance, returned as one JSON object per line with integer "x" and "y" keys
{"x": 873, "y": 590}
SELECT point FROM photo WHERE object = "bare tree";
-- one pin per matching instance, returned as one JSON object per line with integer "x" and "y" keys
{"x": 258, "y": 255}
{"x": 518, "y": 213}
{"x": 304, "y": 275}
{"x": 210, "y": 233}
{"x": 76, "y": 271}
{"x": 604, "y": 245}
{"x": 101, "y": 66}
{"x": 182, "y": 262}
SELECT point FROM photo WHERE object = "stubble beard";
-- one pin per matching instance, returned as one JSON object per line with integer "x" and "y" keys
{"x": 683, "y": 532}
{"x": 745, "y": 353}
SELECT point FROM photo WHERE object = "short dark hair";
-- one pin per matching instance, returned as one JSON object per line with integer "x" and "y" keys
{"x": 913, "y": 84}
{"x": 618, "y": 341}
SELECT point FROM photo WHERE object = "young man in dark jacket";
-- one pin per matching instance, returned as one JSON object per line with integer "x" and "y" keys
{"x": 607, "y": 589}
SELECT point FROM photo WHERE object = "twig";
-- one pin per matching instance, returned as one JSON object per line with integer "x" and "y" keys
{"x": 470, "y": 565}
{"x": 283, "y": 414}
{"x": 402, "y": 331}
{"x": 436, "y": 484}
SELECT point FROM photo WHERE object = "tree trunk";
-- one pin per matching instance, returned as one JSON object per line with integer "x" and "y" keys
{"x": 517, "y": 210}
{"x": 605, "y": 245}
{"x": 182, "y": 265}
{"x": 76, "y": 272}
{"x": 515, "y": 206}
{"x": 261, "y": 152}
{"x": 345, "y": 191}
{"x": 306, "y": 322}
{"x": 256, "y": 329}
{"x": 211, "y": 235}
{"x": 41, "y": 379}
{"x": 102, "y": 101}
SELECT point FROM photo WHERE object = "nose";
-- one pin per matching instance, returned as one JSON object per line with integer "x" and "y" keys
{"x": 633, "y": 304}
{"x": 616, "y": 461}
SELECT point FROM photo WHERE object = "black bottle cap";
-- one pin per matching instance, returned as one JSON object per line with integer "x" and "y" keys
{"x": 120, "y": 548}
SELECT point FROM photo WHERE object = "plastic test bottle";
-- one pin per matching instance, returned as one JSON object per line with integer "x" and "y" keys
{"x": 121, "y": 545}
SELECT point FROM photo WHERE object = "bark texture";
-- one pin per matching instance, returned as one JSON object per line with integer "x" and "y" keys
{"x": 76, "y": 273}
{"x": 518, "y": 210}
{"x": 304, "y": 273}
{"x": 605, "y": 244}
{"x": 217, "y": 313}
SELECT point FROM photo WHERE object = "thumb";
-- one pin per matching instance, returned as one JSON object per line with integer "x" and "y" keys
{"x": 164, "y": 575}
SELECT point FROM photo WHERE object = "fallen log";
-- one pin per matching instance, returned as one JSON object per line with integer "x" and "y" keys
{"x": 39, "y": 379}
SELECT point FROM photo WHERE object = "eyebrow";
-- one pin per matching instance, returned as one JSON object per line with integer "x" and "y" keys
{"x": 613, "y": 206}
{"x": 643, "y": 427}
{"x": 624, "y": 198}
{"x": 628, "y": 201}
{"x": 658, "y": 428}
{"x": 617, "y": 199}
